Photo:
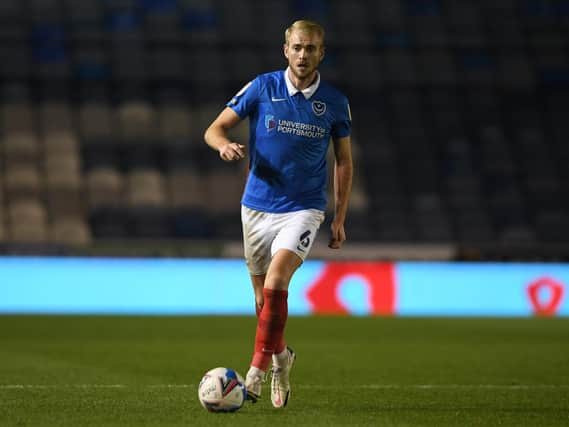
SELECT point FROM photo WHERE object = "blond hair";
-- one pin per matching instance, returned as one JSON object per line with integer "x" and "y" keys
{"x": 307, "y": 26}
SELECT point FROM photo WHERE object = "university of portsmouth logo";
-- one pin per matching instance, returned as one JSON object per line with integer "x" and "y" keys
{"x": 270, "y": 122}
{"x": 318, "y": 107}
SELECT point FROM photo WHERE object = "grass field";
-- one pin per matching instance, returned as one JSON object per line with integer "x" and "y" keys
{"x": 143, "y": 371}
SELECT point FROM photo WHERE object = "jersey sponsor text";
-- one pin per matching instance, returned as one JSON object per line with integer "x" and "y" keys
{"x": 301, "y": 129}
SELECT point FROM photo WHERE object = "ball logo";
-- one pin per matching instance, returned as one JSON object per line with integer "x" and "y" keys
{"x": 318, "y": 107}
{"x": 270, "y": 122}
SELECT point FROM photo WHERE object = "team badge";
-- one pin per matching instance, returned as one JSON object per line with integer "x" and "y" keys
{"x": 270, "y": 122}
{"x": 318, "y": 107}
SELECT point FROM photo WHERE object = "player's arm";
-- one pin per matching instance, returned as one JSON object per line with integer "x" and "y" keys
{"x": 343, "y": 172}
{"x": 216, "y": 136}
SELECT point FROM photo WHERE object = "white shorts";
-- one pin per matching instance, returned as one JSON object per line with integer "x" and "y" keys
{"x": 265, "y": 233}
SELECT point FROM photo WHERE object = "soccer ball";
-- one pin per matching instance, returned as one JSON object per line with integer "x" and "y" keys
{"x": 222, "y": 390}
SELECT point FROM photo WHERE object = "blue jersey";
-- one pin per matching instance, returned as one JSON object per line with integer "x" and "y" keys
{"x": 289, "y": 132}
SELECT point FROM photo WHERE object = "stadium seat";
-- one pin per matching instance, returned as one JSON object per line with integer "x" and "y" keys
{"x": 372, "y": 75}
{"x": 353, "y": 18}
{"x": 22, "y": 181}
{"x": 61, "y": 142}
{"x": 174, "y": 122}
{"x": 224, "y": 189}
{"x": 63, "y": 184}
{"x": 191, "y": 223}
{"x": 92, "y": 61}
{"x": 3, "y": 234}
{"x": 70, "y": 230}
{"x": 149, "y": 222}
{"x": 167, "y": 64}
{"x": 515, "y": 70}
{"x": 238, "y": 23}
{"x": 18, "y": 117}
{"x": 474, "y": 226}
{"x": 136, "y": 121}
{"x": 186, "y": 189}
{"x": 245, "y": 64}
{"x": 96, "y": 121}
{"x": 109, "y": 222}
{"x": 209, "y": 78}
{"x": 272, "y": 29}
{"x": 437, "y": 67}
{"x": 552, "y": 225}
{"x": 100, "y": 153}
{"x": 145, "y": 187}
{"x": 20, "y": 148}
{"x": 27, "y": 221}
{"x": 200, "y": 20}
{"x": 128, "y": 59}
{"x": 162, "y": 22}
{"x": 105, "y": 187}
{"x": 62, "y": 169}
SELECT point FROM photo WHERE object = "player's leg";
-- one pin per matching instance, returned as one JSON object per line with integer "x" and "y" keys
{"x": 257, "y": 240}
{"x": 258, "y": 282}
{"x": 290, "y": 247}
{"x": 269, "y": 338}
{"x": 283, "y": 357}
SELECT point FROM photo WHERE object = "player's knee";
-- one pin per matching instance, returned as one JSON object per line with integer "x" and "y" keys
{"x": 277, "y": 281}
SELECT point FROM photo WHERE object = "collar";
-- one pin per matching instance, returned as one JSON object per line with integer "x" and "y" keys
{"x": 308, "y": 92}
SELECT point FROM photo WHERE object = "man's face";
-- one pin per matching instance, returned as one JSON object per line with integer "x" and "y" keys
{"x": 304, "y": 52}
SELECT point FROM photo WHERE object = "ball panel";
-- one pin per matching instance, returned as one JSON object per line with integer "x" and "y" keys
{"x": 222, "y": 390}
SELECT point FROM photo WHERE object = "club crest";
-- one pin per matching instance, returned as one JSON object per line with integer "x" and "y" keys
{"x": 318, "y": 107}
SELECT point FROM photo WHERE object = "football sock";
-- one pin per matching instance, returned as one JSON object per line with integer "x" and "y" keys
{"x": 269, "y": 338}
{"x": 282, "y": 344}
{"x": 255, "y": 372}
{"x": 280, "y": 359}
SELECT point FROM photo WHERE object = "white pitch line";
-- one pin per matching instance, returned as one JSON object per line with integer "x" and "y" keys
{"x": 465, "y": 386}
{"x": 300, "y": 386}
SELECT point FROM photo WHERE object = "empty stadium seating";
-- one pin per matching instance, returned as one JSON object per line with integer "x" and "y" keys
{"x": 460, "y": 115}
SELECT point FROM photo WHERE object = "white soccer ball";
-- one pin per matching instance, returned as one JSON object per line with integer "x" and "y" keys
{"x": 222, "y": 390}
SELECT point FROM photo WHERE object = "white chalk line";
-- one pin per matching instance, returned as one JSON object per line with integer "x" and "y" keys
{"x": 300, "y": 386}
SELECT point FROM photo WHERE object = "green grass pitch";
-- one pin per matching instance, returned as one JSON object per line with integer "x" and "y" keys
{"x": 358, "y": 371}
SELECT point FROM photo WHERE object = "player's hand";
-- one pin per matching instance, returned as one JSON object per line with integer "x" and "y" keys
{"x": 232, "y": 151}
{"x": 338, "y": 235}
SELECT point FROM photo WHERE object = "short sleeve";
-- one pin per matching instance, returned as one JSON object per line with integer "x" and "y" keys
{"x": 342, "y": 127}
{"x": 245, "y": 101}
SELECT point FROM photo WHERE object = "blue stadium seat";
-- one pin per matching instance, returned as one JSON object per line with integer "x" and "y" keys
{"x": 191, "y": 223}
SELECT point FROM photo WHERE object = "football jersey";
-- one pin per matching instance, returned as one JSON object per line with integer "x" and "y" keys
{"x": 290, "y": 131}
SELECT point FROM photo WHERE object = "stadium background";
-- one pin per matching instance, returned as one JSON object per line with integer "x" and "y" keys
{"x": 460, "y": 138}
{"x": 121, "y": 271}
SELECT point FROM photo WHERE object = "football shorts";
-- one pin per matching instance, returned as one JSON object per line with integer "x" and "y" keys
{"x": 264, "y": 233}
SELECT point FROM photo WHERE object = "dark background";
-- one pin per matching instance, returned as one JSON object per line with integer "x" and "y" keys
{"x": 460, "y": 115}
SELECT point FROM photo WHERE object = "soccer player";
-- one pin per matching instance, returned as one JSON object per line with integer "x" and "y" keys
{"x": 292, "y": 116}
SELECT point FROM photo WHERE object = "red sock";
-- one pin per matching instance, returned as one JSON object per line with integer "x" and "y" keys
{"x": 270, "y": 328}
{"x": 282, "y": 344}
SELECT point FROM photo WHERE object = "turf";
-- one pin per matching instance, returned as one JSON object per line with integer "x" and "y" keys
{"x": 143, "y": 371}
